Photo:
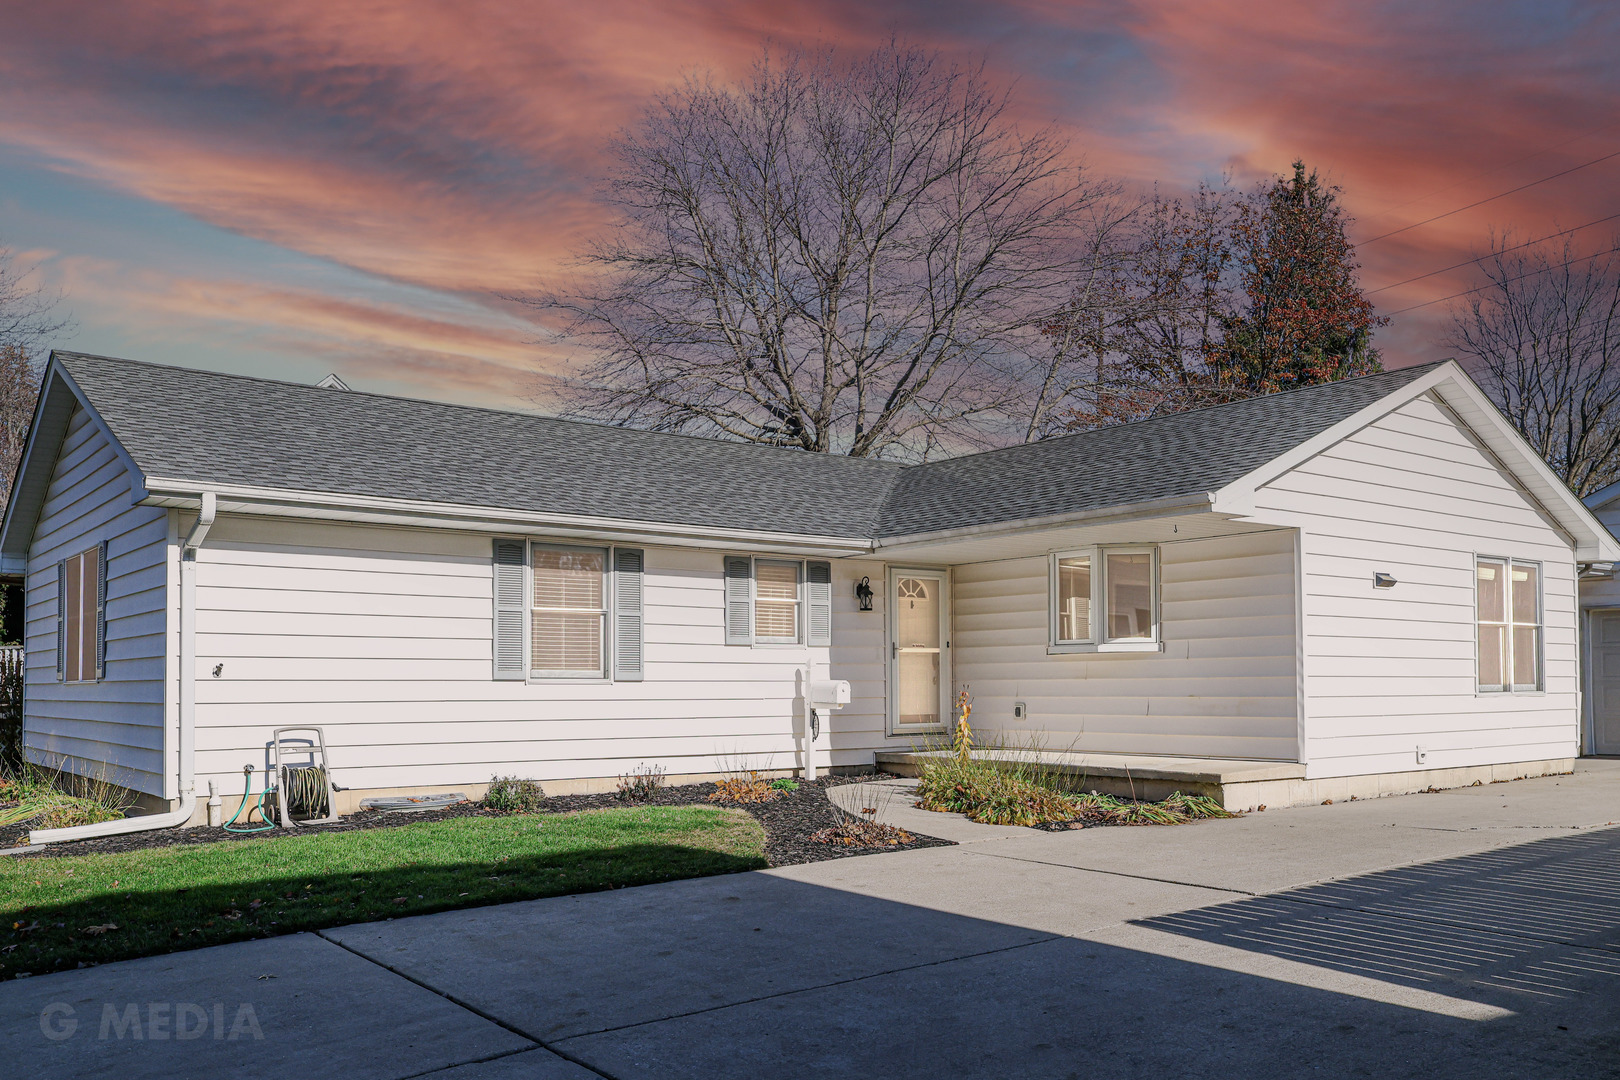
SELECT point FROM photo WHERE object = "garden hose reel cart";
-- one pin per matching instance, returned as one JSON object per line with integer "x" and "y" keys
{"x": 303, "y": 787}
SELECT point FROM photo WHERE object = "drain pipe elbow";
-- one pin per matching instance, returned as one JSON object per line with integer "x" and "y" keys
{"x": 205, "y": 521}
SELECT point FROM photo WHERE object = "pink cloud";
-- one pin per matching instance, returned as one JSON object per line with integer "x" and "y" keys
{"x": 454, "y": 146}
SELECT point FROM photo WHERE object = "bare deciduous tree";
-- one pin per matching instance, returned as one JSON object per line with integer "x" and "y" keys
{"x": 27, "y": 320}
{"x": 1226, "y": 296}
{"x": 1141, "y": 343}
{"x": 851, "y": 258}
{"x": 1543, "y": 341}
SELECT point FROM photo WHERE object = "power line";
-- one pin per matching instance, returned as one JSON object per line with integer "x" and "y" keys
{"x": 1506, "y": 281}
{"x": 1482, "y": 258}
{"x": 1499, "y": 168}
{"x": 1493, "y": 198}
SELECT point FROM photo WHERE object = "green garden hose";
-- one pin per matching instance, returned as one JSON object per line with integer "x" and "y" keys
{"x": 247, "y": 789}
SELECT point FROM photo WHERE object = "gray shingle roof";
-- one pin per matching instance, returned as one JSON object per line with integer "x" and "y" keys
{"x": 234, "y": 429}
{"x": 1181, "y": 455}
{"x": 209, "y": 427}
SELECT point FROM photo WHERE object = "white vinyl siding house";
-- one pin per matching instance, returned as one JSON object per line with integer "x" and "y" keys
{"x": 1222, "y": 685}
{"x": 114, "y": 717}
{"x": 1600, "y": 636}
{"x": 385, "y": 637}
{"x": 1392, "y": 673}
{"x": 1302, "y": 580}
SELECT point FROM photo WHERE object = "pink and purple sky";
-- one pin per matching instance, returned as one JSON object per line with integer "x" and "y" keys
{"x": 294, "y": 188}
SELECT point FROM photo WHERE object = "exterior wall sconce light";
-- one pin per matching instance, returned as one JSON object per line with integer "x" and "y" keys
{"x": 863, "y": 593}
{"x": 1383, "y": 581}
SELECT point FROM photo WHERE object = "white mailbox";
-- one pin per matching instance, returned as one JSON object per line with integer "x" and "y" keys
{"x": 832, "y": 693}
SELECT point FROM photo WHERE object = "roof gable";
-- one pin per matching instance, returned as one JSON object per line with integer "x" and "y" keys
{"x": 59, "y": 398}
{"x": 1180, "y": 458}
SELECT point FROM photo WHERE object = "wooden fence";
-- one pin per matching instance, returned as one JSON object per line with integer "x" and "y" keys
{"x": 11, "y": 704}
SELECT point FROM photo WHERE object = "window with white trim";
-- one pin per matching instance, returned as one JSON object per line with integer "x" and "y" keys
{"x": 1507, "y": 606}
{"x": 776, "y": 601}
{"x": 1104, "y": 598}
{"x": 568, "y": 613}
{"x": 1073, "y": 599}
{"x": 1128, "y": 591}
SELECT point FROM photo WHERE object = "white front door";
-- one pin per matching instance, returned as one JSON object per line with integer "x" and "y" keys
{"x": 1605, "y": 678}
{"x": 919, "y": 648}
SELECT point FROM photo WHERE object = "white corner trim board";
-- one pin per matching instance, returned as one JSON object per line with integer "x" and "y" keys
{"x": 208, "y": 508}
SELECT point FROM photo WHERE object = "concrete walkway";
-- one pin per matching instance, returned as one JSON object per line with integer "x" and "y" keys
{"x": 1467, "y": 933}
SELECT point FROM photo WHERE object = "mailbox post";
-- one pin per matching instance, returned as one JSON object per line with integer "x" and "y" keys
{"x": 820, "y": 696}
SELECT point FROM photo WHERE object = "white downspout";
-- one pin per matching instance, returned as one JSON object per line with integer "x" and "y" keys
{"x": 188, "y": 704}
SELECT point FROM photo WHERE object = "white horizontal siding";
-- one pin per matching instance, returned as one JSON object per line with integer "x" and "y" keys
{"x": 1604, "y": 594}
{"x": 382, "y": 637}
{"x": 112, "y": 728}
{"x": 1389, "y": 670}
{"x": 1225, "y": 685}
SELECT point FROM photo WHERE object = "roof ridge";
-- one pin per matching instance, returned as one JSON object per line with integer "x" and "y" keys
{"x": 484, "y": 409}
{"x": 933, "y": 482}
{"x": 1413, "y": 369}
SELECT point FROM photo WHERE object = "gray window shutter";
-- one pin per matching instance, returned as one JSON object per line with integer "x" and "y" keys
{"x": 61, "y": 620}
{"x": 629, "y": 619}
{"x": 739, "y": 600}
{"x": 101, "y": 612}
{"x": 509, "y": 609}
{"x": 818, "y": 576}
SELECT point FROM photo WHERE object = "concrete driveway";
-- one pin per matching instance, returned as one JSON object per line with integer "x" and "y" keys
{"x": 1467, "y": 933}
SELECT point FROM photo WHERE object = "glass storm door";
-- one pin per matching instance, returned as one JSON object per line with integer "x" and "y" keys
{"x": 920, "y": 650}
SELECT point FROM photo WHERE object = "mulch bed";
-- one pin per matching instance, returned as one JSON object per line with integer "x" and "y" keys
{"x": 788, "y": 820}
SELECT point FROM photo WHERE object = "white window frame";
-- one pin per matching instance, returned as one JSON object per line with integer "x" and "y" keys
{"x": 1507, "y": 563}
{"x": 529, "y": 609}
{"x": 798, "y": 601}
{"x": 1097, "y": 641}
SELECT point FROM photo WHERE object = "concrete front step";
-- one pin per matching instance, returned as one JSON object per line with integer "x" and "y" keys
{"x": 1237, "y": 784}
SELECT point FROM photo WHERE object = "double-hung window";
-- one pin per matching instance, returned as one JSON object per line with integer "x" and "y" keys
{"x": 568, "y": 620}
{"x": 1105, "y": 600}
{"x": 565, "y": 611}
{"x": 1508, "y": 619}
{"x": 777, "y": 601}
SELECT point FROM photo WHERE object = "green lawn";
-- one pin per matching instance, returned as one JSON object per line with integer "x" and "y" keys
{"x": 164, "y": 899}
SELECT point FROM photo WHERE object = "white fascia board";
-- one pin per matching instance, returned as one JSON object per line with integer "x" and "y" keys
{"x": 369, "y": 510}
{"x": 1591, "y": 540}
{"x": 897, "y": 545}
{"x": 53, "y": 385}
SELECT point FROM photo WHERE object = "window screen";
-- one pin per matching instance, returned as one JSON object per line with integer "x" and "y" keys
{"x": 776, "y": 601}
{"x": 569, "y": 613}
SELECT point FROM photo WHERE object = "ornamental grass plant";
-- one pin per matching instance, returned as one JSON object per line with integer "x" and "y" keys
{"x": 1015, "y": 785}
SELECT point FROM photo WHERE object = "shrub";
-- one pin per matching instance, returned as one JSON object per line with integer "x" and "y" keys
{"x": 785, "y": 783}
{"x": 744, "y": 789}
{"x": 857, "y": 833}
{"x": 53, "y": 799}
{"x": 513, "y": 795}
{"x": 990, "y": 796}
{"x": 1177, "y": 809}
{"x": 1020, "y": 790}
{"x": 639, "y": 784}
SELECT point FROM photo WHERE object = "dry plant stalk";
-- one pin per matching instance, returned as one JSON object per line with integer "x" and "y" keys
{"x": 744, "y": 789}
